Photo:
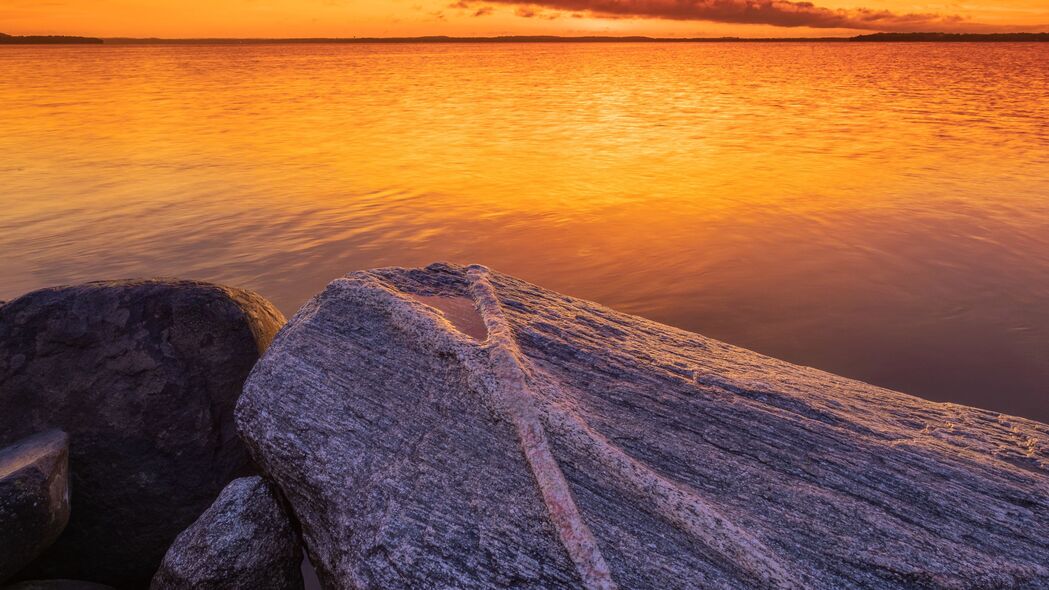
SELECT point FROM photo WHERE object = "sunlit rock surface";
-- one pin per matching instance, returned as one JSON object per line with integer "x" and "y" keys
{"x": 143, "y": 376}
{"x": 34, "y": 497}
{"x": 244, "y": 541}
{"x": 578, "y": 447}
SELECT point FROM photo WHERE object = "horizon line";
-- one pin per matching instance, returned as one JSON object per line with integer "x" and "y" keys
{"x": 878, "y": 36}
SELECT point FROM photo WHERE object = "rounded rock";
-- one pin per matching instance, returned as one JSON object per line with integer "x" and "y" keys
{"x": 34, "y": 498}
{"x": 143, "y": 376}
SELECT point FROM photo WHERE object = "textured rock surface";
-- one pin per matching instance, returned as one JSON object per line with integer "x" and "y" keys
{"x": 144, "y": 377}
{"x": 57, "y": 585}
{"x": 244, "y": 541}
{"x": 34, "y": 498}
{"x": 577, "y": 447}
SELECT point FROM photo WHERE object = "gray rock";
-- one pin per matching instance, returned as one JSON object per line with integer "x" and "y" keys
{"x": 143, "y": 375}
{"x": 244, "y": 541}
{"x": 58, "y": 585}
{"x": 578, "y": 447}
{"x": 34, "y": 498}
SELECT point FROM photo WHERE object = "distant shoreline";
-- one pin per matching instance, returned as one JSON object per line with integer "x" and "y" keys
{"x": 875, "y": 37}
{"x": 48, "y": 40}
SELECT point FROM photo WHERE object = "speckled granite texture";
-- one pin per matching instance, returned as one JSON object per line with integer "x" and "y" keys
{"x": 578, "y": 447}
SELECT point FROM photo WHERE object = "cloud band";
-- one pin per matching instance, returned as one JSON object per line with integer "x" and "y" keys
{"x": 782, "y": 13}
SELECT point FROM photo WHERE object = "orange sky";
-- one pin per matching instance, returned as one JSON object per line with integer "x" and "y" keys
{"x": 348, "y": 18}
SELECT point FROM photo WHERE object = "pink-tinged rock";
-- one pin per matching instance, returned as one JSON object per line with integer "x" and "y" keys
{"x": 570, "y": 446}
{"x": 244, "y": 541}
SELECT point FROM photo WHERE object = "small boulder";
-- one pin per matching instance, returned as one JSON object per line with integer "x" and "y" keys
{"x": 244, "y": 541}
{"x": 143, "y": 376}
{"x": 34, "y": 498}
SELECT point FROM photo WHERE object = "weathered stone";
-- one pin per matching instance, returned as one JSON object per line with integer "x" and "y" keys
{"x": 143, "y": 375}
{"x": 577, "y": 447}
{"x": 57, "y": 585}
{"x": 244, "y": 541}
{"x": 34, "y": 498}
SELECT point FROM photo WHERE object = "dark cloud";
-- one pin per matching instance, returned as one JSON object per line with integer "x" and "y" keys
{"x": 465, "y": 5}
{"x": 783, "y": 13}
{"x": 532, "y": 12}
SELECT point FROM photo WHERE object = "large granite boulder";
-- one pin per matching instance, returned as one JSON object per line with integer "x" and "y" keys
{"x": 144, "y": 376}
{"x": 570, "y": 446}
{"x": 244, "y": 541}
{"x": 34, "y": 498}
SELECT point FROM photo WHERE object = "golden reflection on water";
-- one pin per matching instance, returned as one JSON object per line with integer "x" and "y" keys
{"x": 876, "y": 210}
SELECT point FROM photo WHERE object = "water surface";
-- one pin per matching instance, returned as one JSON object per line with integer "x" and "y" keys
{"x": 876, "y": 210}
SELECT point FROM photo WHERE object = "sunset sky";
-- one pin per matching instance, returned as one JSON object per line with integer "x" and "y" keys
{"x": 349, "y": 18}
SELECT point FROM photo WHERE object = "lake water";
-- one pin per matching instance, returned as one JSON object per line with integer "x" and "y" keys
{"x": 876, "y": 210}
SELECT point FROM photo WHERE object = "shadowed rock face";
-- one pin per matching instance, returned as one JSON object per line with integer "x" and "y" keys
{"x": 57, "y": 585}
{"x": 34, "y": 498}
{"x": 577, "y": 447}
{"x": 244, "y": 541}
{"x": 143, "y": 376}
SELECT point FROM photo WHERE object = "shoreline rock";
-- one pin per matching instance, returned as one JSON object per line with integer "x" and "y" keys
{"x": 578, "y": 447}
{"x": 244, "y": 541}
{"x": 454, "y": 427}
{"x": 34, "y": 498}
{"x": 143, "y": 376}
{"x": 57, "y": 585}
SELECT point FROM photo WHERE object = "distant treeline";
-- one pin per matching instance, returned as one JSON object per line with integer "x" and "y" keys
{"x": 955, "y": 37}
{"x": 882, "y": 37}
{"x": 875, "y": 37}
{"x": 47, "y": 40}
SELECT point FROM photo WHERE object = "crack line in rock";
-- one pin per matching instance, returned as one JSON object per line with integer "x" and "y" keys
{"x": 513, "y": 399}
{"x": 683, "y": 508}
{"x": 508, "y": 381}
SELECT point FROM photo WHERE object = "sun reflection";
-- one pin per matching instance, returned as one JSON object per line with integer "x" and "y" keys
{"x": 770, "y": 195}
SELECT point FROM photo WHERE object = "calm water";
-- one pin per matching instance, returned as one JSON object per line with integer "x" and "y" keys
{"x": 880, "y": 211}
